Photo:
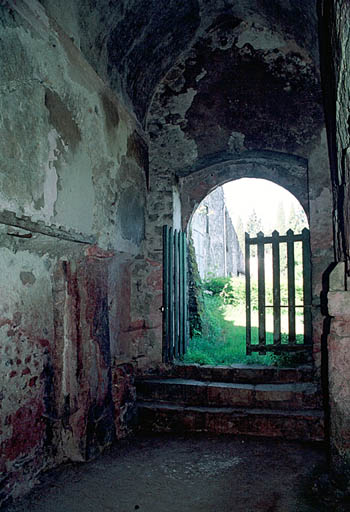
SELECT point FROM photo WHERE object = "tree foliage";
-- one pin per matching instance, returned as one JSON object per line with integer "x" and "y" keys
{"x": 281, "y": 219}
{"x": 254, "y": 224}
{"x": 239, "y": 227}
{"x": 297, "y": 219}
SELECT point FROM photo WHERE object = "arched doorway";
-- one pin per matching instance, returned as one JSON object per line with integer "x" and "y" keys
{"x": 292, "y": 173}
{"x": 251, "y": 297}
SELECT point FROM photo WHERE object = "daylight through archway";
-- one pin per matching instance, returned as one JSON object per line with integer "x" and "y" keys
{"x": 270, "y": 314}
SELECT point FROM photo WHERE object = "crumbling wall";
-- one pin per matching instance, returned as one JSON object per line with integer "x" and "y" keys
{"x": 72, "y": 222}
{"x": 215, "y": 240}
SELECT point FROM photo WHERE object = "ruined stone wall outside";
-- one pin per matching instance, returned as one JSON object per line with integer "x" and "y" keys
{"x": 215, "y": 240}
{"x": 72, "y": 222}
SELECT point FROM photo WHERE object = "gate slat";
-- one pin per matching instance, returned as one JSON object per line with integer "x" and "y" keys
{"x": 181, "y": 292}
{"x": 261, "y": 292}
{"x": 165, "y": 348}
{"x": 171, "y": 294}
{"x": 307, "y": 287}
{"x": 247, "y": 296}
{"x": 185, "y": 295}
{"x": 291, "y": 286}
{"x": 176, "y": 293}
{"x": 276, "y": 239}
{"x": 276, "y": 277}
{"x": 175, "y": 296}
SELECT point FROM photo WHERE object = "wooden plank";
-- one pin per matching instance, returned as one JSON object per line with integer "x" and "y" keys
{"x": 268, "y": 239}
{"x": 276, "y": 279}
{"x": 165, "y": 345}
{"x": 261, "y": 291}
{"x": 176, "y": 294}
{"x": 291, "y": 286}
{"x": 293, "y": 347}
{"x": 248, "y": 297}
{"x": 186, "y": 324}
{"x": 307, "y": 285}
{"x": 171, "y": 295}
{"x": 181, "y": 294}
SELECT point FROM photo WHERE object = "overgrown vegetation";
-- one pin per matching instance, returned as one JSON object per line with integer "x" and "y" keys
{"x": 232, "y": 291}
{"x": 222, "y": 337}
{"x": 195, "y": 292}
{"x": 220, "y": 342}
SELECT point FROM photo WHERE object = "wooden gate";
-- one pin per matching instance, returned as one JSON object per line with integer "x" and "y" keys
{"x": 286, "y": 342}
{"x": 175, "y": 304}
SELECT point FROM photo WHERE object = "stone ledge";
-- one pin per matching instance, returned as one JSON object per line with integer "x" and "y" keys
{"x": 24, "y": 222}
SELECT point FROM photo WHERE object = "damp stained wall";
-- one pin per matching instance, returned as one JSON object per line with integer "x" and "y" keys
{"x": 73, "y": 176}
{"x": 224, "y": 89}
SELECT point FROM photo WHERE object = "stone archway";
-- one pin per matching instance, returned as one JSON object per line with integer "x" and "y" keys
{"x": 290, "y": 172}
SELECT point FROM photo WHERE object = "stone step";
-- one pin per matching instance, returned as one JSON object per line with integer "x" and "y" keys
{"x": 305, "y": 425}
{"x": 301, "y": 395}
{"x": 238, "y": 373}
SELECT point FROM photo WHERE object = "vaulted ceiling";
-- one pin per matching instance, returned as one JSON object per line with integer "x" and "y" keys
{"x": 207, "y": 79}
{"x": 135, "y": 42}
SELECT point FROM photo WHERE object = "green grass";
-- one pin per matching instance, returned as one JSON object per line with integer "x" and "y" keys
{"x": 223, "y": 337}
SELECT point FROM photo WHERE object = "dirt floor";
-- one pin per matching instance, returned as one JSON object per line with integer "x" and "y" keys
{"x": 186, "y": 474}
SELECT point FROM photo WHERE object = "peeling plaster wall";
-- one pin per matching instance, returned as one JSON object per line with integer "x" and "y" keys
{"x": 73, "y": 179}
{"x": 226, "y": 89}
{"x": 321, "y": 234}
{"x": 132, "y": 45}
{"x": 80, "y": 142}
{"x": 215, "y": 101}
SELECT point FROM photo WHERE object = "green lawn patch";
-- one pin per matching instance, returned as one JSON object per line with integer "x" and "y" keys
{"x": 222, "y": 340}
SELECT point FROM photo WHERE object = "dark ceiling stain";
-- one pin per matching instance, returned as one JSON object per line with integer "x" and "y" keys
{"x": 224, "y": 23}
{"x": 273, "y": 98}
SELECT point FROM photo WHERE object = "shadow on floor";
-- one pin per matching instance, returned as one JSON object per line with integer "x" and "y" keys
{"x": 164, "y": 473}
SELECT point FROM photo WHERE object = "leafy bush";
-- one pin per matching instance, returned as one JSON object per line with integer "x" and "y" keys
{"x": 234, "y": 293}
{"x": 221, "y": 338}
{"x": 215, "y": 285}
